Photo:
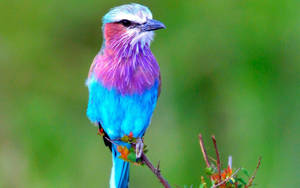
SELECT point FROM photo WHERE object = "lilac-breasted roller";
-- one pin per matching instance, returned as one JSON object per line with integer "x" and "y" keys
{"x": 124, "y": 81}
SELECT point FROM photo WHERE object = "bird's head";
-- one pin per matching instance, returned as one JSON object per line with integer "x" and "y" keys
{"x": 129, "y": 25}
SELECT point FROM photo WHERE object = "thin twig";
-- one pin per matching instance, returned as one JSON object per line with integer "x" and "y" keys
{"x": 212, "y": 159}
{"x": 254, "y": 174}
{"x": 218, "y": 156}
{"x": 156, "y": 171}
{"x": 111, "y": 141}
{"x": 222, "y": 182}
{"x": 203, "y": 150}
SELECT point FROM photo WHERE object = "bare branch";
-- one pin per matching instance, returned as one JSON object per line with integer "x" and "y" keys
{"x": 156, "y": 171}
{"x": 254, "y": 174}
{"x": 218, "y": 156}
{"x": 203, "y": 150}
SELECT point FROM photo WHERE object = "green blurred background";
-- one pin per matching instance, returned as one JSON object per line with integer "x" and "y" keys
{"x": 229, "y": 68}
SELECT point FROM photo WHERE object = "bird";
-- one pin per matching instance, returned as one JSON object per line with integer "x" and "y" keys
{"x": 124, "y": 82}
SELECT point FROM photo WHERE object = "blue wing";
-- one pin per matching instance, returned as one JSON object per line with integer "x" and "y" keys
{"x": 121, "y": 114}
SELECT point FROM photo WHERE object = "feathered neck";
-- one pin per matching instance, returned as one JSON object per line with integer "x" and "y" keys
{"x": 125, "y": 66}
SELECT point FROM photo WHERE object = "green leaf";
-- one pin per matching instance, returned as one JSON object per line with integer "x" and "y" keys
{"x": 245, "y": 171}
{"x": 131, "y": 150}
{"x": 242, "y": 181}
{"x": 131, "y": 157}
{"x": 125, "y": 138}
{"x": 132, "y": 140}
{"x": 209, "y": 171}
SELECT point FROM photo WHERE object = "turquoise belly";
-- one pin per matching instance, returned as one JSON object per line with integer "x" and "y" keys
{"x": 121, "y": 114}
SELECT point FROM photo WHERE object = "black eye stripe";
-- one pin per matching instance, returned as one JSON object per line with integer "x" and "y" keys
{"x": 126, "y": 23}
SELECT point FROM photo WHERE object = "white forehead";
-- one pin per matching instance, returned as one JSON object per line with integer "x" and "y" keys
{"x": 133, "y": 12}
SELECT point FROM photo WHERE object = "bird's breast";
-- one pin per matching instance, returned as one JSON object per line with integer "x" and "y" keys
{"x": 128, "y": 74}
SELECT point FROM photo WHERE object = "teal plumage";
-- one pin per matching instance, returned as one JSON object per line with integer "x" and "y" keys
{"x": 121, "y": 114}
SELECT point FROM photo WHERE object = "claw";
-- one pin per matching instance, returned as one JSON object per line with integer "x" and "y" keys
{"x": 139, "y": 148}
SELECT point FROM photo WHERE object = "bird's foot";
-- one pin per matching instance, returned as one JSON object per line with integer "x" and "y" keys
{"x": 139, "y": 148}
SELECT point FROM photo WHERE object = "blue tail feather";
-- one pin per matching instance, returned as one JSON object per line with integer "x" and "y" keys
{"x": 120, "y": 171}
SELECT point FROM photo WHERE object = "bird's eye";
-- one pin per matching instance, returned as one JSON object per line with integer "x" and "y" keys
{"x": 126, "y": 23}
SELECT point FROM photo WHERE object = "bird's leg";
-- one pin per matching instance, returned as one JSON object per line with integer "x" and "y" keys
{"x": 139, "y": 147}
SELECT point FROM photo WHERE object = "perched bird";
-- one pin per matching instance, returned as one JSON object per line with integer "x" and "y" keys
{"x": 124, "y": 81}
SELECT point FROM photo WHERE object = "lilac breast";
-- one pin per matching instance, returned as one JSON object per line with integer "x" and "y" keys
{"x": 129, "y": 69}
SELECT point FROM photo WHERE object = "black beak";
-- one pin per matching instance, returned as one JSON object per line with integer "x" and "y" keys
{"x": 152, "y": 25}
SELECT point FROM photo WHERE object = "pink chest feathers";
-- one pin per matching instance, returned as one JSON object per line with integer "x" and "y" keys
{"x": 130, "y": 74}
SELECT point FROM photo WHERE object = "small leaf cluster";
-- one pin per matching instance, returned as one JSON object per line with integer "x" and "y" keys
{"x": 227, "y": 179}
{"x": 127, "y": 153}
